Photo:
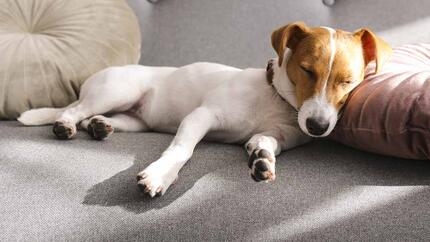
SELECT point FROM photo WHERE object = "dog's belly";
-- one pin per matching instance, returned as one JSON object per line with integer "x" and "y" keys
{"x": 167, "y": 101}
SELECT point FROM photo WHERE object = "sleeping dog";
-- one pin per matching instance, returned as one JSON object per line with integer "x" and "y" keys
{"x": 298, "y": 97}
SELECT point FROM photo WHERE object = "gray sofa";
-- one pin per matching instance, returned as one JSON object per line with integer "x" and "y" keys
{"x": 85, "y": 190}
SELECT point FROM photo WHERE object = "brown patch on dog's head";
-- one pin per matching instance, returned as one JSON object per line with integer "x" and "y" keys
{"x": 287, "y": 36}
{"x": 374, "y": 48}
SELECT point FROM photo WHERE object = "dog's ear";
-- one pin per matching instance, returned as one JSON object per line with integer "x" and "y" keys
{"x": 374, "y": 48}
{"x": 288, "y": 36}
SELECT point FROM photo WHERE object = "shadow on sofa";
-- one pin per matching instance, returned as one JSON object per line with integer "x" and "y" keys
{"x": 322, "y": 190}
{"x": 319, "y": 185}
{"x": 304, "y": 169}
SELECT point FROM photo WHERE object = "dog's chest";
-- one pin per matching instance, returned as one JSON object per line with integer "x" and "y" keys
{"x": 248, "y": 106}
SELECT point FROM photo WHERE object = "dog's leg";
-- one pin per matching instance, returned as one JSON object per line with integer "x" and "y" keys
{"x": 262, "y": 149}
{"x": 98, "y": 100}
{"x": 100, "y": 127}
{"x": 65, "y": 126}
{"x": 159, "y": 175}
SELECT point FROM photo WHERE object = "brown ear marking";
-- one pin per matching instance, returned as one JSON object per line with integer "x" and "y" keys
{"x": 288, "y": 36}
{"x": 374, "y": 48}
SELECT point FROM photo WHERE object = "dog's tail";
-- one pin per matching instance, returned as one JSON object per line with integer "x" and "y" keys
{"x": 41, "y": 116}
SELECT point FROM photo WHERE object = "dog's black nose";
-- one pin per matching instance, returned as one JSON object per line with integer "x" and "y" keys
{"x": 317, "y": 126}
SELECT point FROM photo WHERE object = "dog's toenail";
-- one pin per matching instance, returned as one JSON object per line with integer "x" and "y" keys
{"x": 158, "y": 192}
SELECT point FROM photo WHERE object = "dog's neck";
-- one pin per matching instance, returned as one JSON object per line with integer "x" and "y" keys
{"x": 278, "y": 77}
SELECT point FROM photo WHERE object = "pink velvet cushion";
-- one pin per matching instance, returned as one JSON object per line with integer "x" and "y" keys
{"x": 389, "y": 113}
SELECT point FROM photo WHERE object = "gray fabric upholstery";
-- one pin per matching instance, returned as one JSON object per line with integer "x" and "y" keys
{"x": 237, "y": 32}
{"x": 85, "y": 190}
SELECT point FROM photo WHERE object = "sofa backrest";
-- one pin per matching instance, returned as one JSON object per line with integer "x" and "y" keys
{"x": 237, "y": 32}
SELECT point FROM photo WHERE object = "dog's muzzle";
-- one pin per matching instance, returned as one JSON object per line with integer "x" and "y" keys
{"x": 317, "y": 118}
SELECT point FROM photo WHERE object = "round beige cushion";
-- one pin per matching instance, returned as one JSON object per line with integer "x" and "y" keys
{"x": 49, "y": 47}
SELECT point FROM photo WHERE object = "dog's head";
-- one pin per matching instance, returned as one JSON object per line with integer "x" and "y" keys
{"x": 324, "y": 65}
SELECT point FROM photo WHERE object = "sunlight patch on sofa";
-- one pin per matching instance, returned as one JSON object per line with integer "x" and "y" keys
{"x": 350, "y": 203}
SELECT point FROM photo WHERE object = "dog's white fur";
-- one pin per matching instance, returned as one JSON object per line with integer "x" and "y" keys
{"x": 282, "y": 82}
{"x": 214, "y": 101}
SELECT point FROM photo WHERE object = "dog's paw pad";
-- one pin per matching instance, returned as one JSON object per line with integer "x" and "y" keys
{"x": 262, "y": 165}
{"x": 64, "y": 130}
{"x": 99, "y": 129}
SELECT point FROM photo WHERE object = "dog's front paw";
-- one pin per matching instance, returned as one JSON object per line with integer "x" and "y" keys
{"x": 262, "y": 165}
{"x": 64, "y": 130}
{"x": 99, "y": 129}
{"x": 154, "y": 180}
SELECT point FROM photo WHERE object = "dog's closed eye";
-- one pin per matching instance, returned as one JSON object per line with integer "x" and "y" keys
{"x": 309, "y": 73}
{"x": 346, "y": 83}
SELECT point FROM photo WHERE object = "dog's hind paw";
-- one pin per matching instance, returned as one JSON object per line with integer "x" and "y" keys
{"x": 64, "y": 130}
{"x": 99, "y": 129}
{"x": 262, "y": 165}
